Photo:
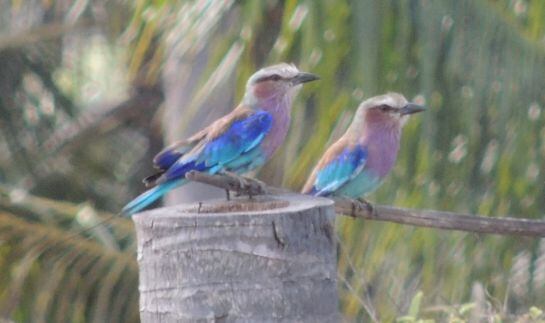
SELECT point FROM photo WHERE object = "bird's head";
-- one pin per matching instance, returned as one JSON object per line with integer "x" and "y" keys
{"x": 388, "y": 109}
{"x": 274, "y": 83}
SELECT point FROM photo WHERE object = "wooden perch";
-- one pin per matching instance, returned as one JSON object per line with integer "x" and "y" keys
{"x": 420, "y": 218}
{"x": 266, "y": 259}
{"x": 240, "y": 185}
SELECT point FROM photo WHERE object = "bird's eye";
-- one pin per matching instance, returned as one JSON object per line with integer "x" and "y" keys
{"x": 275, "y": 77}
{"x": 385, "y": 108}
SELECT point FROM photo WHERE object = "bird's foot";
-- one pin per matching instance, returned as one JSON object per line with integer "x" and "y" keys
{"x": 363, "y": 204}
{"x": 241, "y": 181}
{"x": 244, "y": 183}
{"x": 260, "y": 186}
{"x": 254, "y": 186}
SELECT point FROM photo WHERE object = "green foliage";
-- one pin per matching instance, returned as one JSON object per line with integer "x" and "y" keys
{"x": 463, "y": 313}
{"x": 478, "y": 65}
{"x": 53, "y": 273}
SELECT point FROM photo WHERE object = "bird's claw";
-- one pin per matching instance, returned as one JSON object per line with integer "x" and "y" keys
{"x": 254, "y": 185}
{"x": 365, "y": 205}
{"x": 246, "y": 183}
{"x": 262, "y": 187}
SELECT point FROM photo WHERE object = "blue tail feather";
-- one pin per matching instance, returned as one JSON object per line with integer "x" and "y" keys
{"x": 145, "y": 199}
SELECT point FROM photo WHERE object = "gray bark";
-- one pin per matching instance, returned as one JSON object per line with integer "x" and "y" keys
{"x": 270, "y": 259}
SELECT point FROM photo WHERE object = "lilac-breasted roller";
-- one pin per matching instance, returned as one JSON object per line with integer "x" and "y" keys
{"x": 240, "y": 141}
{"x": 357, "y": 163}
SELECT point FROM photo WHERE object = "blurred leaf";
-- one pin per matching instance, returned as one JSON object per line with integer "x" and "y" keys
{"x": 414, "y": 309}
{"x": 535, "y": 312}
{"x": 466, "y": 308}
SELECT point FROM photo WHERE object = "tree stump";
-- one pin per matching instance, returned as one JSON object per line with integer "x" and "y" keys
{"x": 267, "y": 259}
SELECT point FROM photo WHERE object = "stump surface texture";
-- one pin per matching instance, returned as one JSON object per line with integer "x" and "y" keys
{"x": 269, "y": 259}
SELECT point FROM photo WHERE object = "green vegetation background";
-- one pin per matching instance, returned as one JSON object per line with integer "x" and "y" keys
{"x": 81, "y": 109}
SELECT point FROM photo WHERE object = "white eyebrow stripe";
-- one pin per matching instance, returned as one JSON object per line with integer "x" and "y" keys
{"x": 285, "y": 71}
{"x": 384, "y": 101}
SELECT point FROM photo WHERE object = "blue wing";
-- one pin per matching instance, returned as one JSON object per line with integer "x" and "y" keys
{"x": 240, "y": 138}
{"x": 341, "y": 169}
{"x": 236, "y": 149}
{"x": 169, "y": 156}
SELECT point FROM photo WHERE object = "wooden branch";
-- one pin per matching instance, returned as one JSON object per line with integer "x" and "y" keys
{"x": 445, "y": 220}
{"x": 241, "y": 185}
{"x": 420, "y": 218}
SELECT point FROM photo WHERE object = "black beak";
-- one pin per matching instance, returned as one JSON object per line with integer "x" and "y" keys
{"x": 411, "y": 108}
{"x": 303, "y": 77}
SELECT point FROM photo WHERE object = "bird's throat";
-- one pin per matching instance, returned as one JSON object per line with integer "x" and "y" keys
{"x": 280, "y": 110}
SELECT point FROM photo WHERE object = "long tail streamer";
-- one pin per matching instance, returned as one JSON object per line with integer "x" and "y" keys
{"x": 145, "y": 199}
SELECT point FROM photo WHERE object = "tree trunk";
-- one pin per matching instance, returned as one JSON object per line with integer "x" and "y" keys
{"x": 265, "y": 259}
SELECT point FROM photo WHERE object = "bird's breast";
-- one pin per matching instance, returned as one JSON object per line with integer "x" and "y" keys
{"x": 277, "y": 134}
{"x": 383, "y": 145}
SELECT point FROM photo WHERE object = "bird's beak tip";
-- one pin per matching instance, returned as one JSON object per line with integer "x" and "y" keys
{"x": 304, "y": 77}
{"x": 412, "y": 108}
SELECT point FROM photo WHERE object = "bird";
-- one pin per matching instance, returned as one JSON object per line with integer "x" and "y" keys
{"x": 241, "y": 141}
{"x": 357, "y": 163}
